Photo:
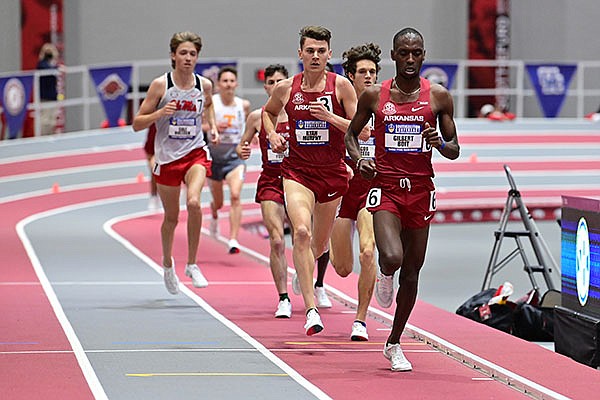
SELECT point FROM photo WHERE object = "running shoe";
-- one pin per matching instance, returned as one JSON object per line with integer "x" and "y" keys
{"x": 359, "y": 332}
{"x": 284, "y": 309}
{"x": 214, "y": 227}
{"x": 234, "y": 246}
{"x": 322, "y": 298}
{"x": 171, "y": 280}
{"x": 198, "y": 280}
{"x": 313, "y": 322}
{"x": 384, "y": 289}
{"x": 153, "y": 204}
{"x": 394, "y": 353}
{"x": 296, "y": 284}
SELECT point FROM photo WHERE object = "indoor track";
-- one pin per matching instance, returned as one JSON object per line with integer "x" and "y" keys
{"x": 86, "y": 315}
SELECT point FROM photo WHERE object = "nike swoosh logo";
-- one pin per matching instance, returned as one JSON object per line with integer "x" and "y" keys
{"x": 328, "y": 92}
{"x": 415, "y": 109}
{"x": 427, "y": 217}
{"x": 331, "y": 194}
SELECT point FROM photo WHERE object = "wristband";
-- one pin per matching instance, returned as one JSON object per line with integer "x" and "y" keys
{"x": 443, "y": 145}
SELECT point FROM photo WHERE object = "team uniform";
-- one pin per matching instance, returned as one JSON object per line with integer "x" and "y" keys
{"x": 223, "y": 155}
{"x": 355, "y": 198}
{"x": 404, "y": 181}
{"x": 316, "y": 148}
{"x": 270, "y": 183}
{"x": 179, "y": 142}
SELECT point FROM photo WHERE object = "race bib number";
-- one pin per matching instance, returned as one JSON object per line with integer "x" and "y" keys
{"x": 326, "y": 100}
{"x": 182, "y": 128}
{"x": 367, "y": 148}
{"x": 432, "y": 201}
{"x": 403, "y": 138}
{"x": 312, "y": 133}
{"x": 374, "y": 198}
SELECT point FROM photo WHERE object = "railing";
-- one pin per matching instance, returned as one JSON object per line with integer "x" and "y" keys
{"x": 83, "y": 110}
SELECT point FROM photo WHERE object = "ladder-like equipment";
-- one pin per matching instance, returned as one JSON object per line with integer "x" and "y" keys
{"x": 545, "y": 262}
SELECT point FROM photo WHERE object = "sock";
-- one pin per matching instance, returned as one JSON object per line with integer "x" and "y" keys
{"x": 322, "y": 263}
{"x": 361, "y": 322}
{"x": 283, "y": 296}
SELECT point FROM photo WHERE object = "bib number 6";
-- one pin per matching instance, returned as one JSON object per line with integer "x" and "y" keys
{"x": 374, "y": 197}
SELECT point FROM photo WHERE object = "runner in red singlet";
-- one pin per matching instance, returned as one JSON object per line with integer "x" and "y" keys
{"x": 314, "y": 174}
{"x": 402, "y": 197}
{"x": 269, "y": 188}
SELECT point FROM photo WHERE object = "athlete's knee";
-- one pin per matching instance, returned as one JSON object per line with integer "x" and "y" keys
{"x": 342, "y": 268}
{"x": 302, "y": 235}
{"x": 277, "y": 245}
{"x": 367, "y": 256}
{"x": 390, "y": 259}
{"x": 193, "y": 205}
{"x": 234, "y": 199}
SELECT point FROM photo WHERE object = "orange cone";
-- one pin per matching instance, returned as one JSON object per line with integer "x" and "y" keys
{"x": 140, "y": 177}
{"x": 55, "y": 188}
{"x": 473, "y": 158}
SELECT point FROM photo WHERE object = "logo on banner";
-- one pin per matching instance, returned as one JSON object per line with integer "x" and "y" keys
{"x": 16, "y": 92}
{"x": 442, "y": 74}
{"x": 14, "y": 96}
{"x": 551, "y": 83}
{"x": 582, "y": 261}
{"x": 112, "y": 87}
{"x": 112, "y": 84}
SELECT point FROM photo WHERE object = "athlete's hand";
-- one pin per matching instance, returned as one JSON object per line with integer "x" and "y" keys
{"x": 243, "y": 150}
{"x": 319, "y": 111}
{"x": 278, "y": 142}
{"x": 366, "y": 167}
{"x": 222, "y": 125}
{"x": 431, "y": 136}
{"x": 215, "y": 138}
{"x": 169, "y": 108}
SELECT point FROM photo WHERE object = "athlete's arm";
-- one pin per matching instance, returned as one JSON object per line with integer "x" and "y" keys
{"x": 252, "y": 127}
{"x": 279, "y": 96}
{"x": 443, "y": 106}
{"x": 209, "y": 110}
{"x": 367, "y": 105}
{"x": 148, "y": 113}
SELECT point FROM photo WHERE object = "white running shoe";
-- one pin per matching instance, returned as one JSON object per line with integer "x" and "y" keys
{"x": 154, "y": 204}
{"x": 384, "y": 289}
{"x": 234, "y": 246}
{"x": 198, "y": 280}
{"x": 284, "y": 309}
{"x": 322, "y": 298}
{"x": 296, "y": 284}
{"x": 313, "y": 322}
{"x": 359, "y": 332}
{"x": 214, "y": 227}
{"x": 171, "y": 280}
{"x": 394, "y": 353}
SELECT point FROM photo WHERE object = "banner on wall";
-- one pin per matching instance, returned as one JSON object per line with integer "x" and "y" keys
{"x": 112, "y": 85}
{"x": 16, "y": 92}
{"x": 210, "y": 70}
{"x": 440, "y": 73}
{"x": 551, "y": 82}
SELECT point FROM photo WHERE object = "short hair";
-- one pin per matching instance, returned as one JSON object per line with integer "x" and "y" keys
{"x": 227, "y": 68}
{"x": 182, "y": 37}
{"x": 367, "y": 51}
{"x": 273, "y": 68}
{"x": 405, "y": 32}
{"x": 315, "y": 32}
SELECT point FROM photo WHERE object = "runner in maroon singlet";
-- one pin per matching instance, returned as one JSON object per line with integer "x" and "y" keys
{"x": 314, "y": 174}
{"x": 402, "y": 197}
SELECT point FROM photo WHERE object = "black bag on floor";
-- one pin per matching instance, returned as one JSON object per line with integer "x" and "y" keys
{"x": 499, "y": 316}
{"x": 534, "y": 323}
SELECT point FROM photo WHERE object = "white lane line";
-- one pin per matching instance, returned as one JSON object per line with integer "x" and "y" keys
{"x": 318, "y": 393}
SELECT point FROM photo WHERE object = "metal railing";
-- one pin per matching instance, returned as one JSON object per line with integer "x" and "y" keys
{"x": 83, "y": 109}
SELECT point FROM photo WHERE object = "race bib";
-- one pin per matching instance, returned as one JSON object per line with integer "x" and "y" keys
{"x": 312, "y": 133}
{"x": 403, "y": 138}
{"x": 367, "y": 148}
{"x": 182, "y": 128}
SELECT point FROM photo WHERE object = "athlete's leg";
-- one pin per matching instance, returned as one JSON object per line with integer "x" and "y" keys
{"x": 341, "y": 250}
{"x": 368, "y": 271}
{"x": 300, "y": 204}
{"x": 216, "y": 190}
{"x": 235, "y": 180}
{"x": 415, "y": 246}
{"x": 194, "y": 179}
{"x": 273, "y": 216}
{"x": 169, "y": 195}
